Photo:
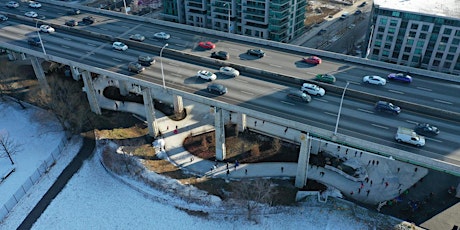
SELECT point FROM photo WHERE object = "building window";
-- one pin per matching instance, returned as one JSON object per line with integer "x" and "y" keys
{"x": 379, "y": 36}
{"x": 447, "y": 65}
{"x": 387, "y": 45}
{"x": 405, "y": 57}
{"x": 412, "y": 34}
{"x": 425, "y": 28}
{"x": 444, "y": 39}
{"x": 381, "y": 29}
{"x": 420, "y": 43}
{"x": 450, "y": 57}
{"x": 438, "y": 55}
{"x": 376, "y": 51}
{"x": 457, "y": 33}
{"x": 383, "y": 21}
{"x": 378, "y": 43}
{"x": 407, "y": 49}
{"x": 390, "y": 38}
{"x": 410, "y": 41}
{"x": 414, "y": 26}
{"x": 452, "y": 49}
{"x": 395, "y": 14}
{"x": 393, "y": 23}
{"x": 395, "y": 55}
{"x": 442, "y": 47}
{"x": 391, "y": 30}
{"x": 447, "y": 31}
{"x": 416, "y": 59}
{"x": 435, "y": 63}
{"x": 418, "y": 51}
{"x": 385, "y": 53}
{"x": 456, "y": 41}
{"x": 422, "y": 36}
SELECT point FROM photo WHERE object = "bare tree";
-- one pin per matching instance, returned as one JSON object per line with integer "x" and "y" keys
{"x": 8, "y": 80}
{"x": 8, "y": 147}
{"x": 253, "y": 193}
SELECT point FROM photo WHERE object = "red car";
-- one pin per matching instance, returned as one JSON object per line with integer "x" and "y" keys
{"x": 312, "y": 60}
{"x": 207, "y": 45}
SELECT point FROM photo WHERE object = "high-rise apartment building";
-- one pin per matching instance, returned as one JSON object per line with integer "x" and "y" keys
{"x": 277, "y": 20}
{"x": 418, "y": 33}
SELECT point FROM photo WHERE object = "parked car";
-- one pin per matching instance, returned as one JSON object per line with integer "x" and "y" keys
{"x": 31, "y": 14}
{"x": 385, "y": 106}
{"x": 206, "y": 75}
{"x": 426, "y": 129}
{"x": 119, "y": 46}
{"x": 35, "y": 5}
{"x": 162, "y": 35}
{"x": 3, "y": 18}
{"x": 12, "y": 4}
{"x": 137, "y": 37}
{"x": 135, "y": 67}
{"x": 400, "y": 77}
{"x": 207, "y": 45}
{"x": 145, "y": 60}
{"x": 256, "y": 52}
{"x": 407, "y": 135}
{"x": 217, "y": 88}
{"x": 222, "y": 55}
{"x": 312, "y": 89}
{"x": 312, "y": 60}
{"x": 327, "y": 78}
{"x": 374, "y": 80}
{"x": 47, "y": 29}
{"x": 298, "y": 95}
{"x": 34, "y": 41}
{"x": 229, "y": 71}
{"x": 73, "y": 12}
{"x": 88, "y": 20}
{"x": 71, "y": 23}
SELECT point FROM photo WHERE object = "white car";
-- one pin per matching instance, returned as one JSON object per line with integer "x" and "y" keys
{"x": 313, "y": 89}
{"x": 35, "y": 5}
{"x": 119, "y": 46}
{"x": 374, "y": 80}
{"x": 229, "y": 71}
{"x": 206, "y": 75}
{"x": 46, "y": 29}
{"x": 162, "y": 35}
{"x": 12, "y": 4}
{"x": 31, "y": 14}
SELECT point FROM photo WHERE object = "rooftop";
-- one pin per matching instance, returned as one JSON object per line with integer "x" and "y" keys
{"x": 444, "y": 8}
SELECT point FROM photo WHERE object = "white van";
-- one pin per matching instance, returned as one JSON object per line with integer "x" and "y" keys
{"x": 407, "y": 135}
{"x": 344, "y": 16}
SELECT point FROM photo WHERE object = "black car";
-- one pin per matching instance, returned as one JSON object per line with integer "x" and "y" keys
{"x": 135, "y": 67}
{"x": 71, "y": 23}
{"x": 34, "y": 41}
{"x": 88, "y": 20}
{"x": 145, "y": 60}
{"x": 362, "y": 4}
{"x": 3, "y": 18}
{"x": 256, "y": 52}
{"x": 385, "y": 106}
{"x": 73, "y": 12}
{"x": 217, "y": 88}
{"x": 222, "y": 55}
{"x": 426, "y": 129}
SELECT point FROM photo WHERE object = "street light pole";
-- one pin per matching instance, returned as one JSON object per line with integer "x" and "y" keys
{"x": 229, "y": 11}
{"x": 340, "y": 109}
{"x": 161, "y": 65}
{"x": 39, "y": 37}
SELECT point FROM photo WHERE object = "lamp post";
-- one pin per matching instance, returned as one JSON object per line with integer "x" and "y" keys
{"x": 229, "y": 11}
{"x": 161, "y": 65}
{"x": 124, "y": 4}
{"x": 340, "y": 109}
{"x": 39, "y": 37}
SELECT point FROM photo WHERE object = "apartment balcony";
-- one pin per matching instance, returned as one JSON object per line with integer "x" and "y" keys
{"x": 255, "y": 19}
{"x": 279, "y": 2}
{"x": 255, "y": 5}
{"x": 278, "y": 15}
{"x": 278, "y": 29}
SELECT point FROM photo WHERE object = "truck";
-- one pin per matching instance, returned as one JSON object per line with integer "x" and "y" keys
{"x": 409, "y": 136}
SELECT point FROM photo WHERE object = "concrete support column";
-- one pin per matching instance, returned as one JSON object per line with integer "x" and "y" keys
{"x": 178, "y": 104}
{"x": 91, "y": 92}
{"x": 123, "y": 86}
{"x": 11, "y": 56}
{"x": 40, "y": 74}
{"x": 219, "y": 126}
{"x": 23, "y": 56}
{"x": 241, "y": 121}
{"x": 302, "y": 163}
{"x": 150, "y": 112}
{"x": 75, "y": 73}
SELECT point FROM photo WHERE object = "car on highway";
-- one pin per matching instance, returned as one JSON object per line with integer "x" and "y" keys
{"x": 312, "y": 89}
{"x": 222, "y": 55}
{"x": 162, "y": 35}
{"x": 400, "y": 77}
{"x": 145, "y": 60}
{"x": 34, "y": 41}
{"x": 312, "y": 60}
{"x": 363, "y": 4}
{"x": 88, "y": 20}
{"x": 229, "y": 71}
{"x": 35, "y": 5}
{"x": 298, "y": 95}
{"x": 206, "y": 75}
{"x": 31, "y": 14}
{"x": 137, "y": 37}
{"x": 12, "y": 4}
{"x": 71, "y": 23}
{"x": 135, "y": 67}
{"x": 374, "y": 80}
{"x": 217, "y": 88}
{"x": 358, "y": 12}
{"x": 47, "y": 29}
{"x": 426, "y": 129}
{"x": 73, "y": 12}
{"x": 385, "y": 106}
{"x": 256, "y": 52}
{"x": 327, "y": 78}
{"x": 3, "y": 18}
{"x": 408, "y": 136}
{"x": 207, "y": 45}
{"x": 119, "y": 46}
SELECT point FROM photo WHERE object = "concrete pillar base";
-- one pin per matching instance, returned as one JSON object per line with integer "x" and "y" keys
{"x": 150, "y": 112}
{"x": 220, "y": 134}
{"x": 91, "y": 92}
{"x": 178, "y": 104}
{"x": 302, "y": 163}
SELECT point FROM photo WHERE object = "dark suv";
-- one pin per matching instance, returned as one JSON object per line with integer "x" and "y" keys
{"x": 34, "y": 41}
{"x": 386, "y": 106}
{"x": 256, "y": 52}
{"x": 135, "y": 67}
{"x": 88, "y": 20}
{"x": 222, "y": 55}
{"x": 145, "y": 60}
{"x": 71, "y": 23}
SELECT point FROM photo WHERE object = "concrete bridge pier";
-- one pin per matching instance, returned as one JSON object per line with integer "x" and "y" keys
{"x": 11, "y": 56}
{"x": 178, "y": 104}
{"x": 23, "y": 56}
{"x": 75, "y": 73}
{"x": 219, "y": 125}
{"x": 150, "y": 112}
{"x": 241, "y": 122}
{"x": 90, "y": 92}
{"x": 123, "y": 86}
{"x": 302, "y": 163}
{"x": 40, "y": 74}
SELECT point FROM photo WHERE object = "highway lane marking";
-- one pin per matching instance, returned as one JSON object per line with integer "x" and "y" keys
{"x": 176, "y": 74}
{"x": 355, "y": 83}
{"x": 366, "y": 111}
{"x": 278, "y": 66}
{"x": 65, "y": 47}
{"x": 173, "y": 64}
{"x": 322, "y": 100}
{"x": 395, "y": 91}
{"x": 233, "y": 49}
{"x": 426, "y": 89}
{"x": 127, "y": 27}
{"x": 411, "y": 122}
{"x": 115, "y": 59}
{"x": 90, "y": 44}
{"x": 239, "y": 80}
{"x": 68, "y": 39}
{"x": 103, "y": 29}
{"x": 431, "y": 139}
{"x": 249, "y": 93}
{"x": 332, "y": 114}
{"x": 379, "y": 126}
{"x": 181, "y": 45}
{"x": 287, "y": 103}
{"x": 444, "y": 102}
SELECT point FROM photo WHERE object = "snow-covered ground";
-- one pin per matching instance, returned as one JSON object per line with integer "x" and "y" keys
{"x": 96, "y": 199}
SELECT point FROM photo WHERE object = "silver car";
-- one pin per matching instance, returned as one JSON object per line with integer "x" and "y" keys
{"x": 229, "y": 71}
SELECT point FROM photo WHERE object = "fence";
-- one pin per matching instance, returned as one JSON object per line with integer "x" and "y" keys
{"x": 33, "y": 179}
